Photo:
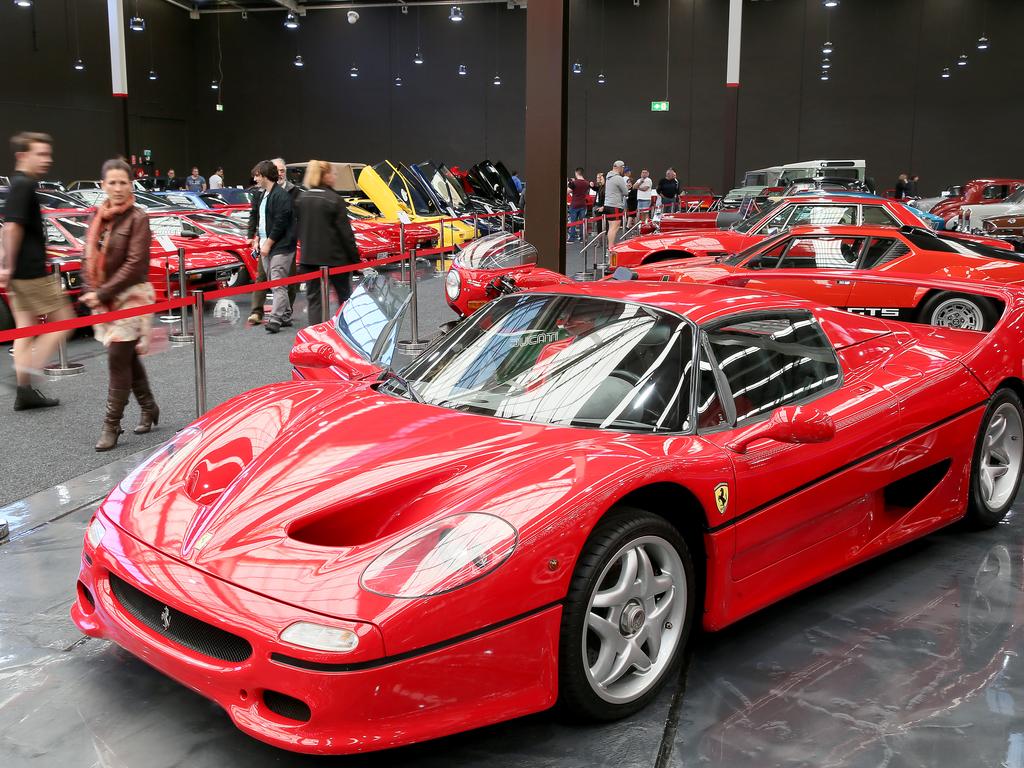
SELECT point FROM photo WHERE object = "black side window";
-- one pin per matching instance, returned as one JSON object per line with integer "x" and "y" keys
{"x": 768, "y": 361}
{"x": 882, "y": 250}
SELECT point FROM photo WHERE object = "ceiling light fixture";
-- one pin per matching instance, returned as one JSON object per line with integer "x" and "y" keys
{"x": 577, "y": 68}
{"x": 962, "y": 61}
{"x": 600, "y": 78}
{"x": 830, "y": 3}
{"x": 418, "y": 58}
{"x": 152, "y": 74}
{"x": 291, "y": 21}
{"x": 826, "y": 49}
{"x": 137, "y": 24}
{"x": 353, "y": 71}
{"x": 79, "y": 65}
{"x": 352, "y": 16}
{"x": 497, "y": 79}
{"x": 462, "y": 70}
{"x": 826, "y": 63}
{"x": 945, "y": 73}
{"x": 455, "y": 14}
{"x": 398, "y": 80}
{"x": 824, "y": 74}
{"x": 982, "y": 43}
{"x": 23, "y": 3}
{"x": 214, "y": 85}
{"x": 298, "y": 60}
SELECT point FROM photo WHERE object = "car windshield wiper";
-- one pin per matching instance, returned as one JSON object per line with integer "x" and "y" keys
{"x": 390, "y": 374}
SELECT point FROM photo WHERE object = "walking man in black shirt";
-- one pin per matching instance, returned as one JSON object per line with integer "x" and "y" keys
{"x": 668, "y": 191}
{"x": 33, "y": 292}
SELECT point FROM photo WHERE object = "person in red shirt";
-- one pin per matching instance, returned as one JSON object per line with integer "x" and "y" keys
{"x": 579, "y": 188}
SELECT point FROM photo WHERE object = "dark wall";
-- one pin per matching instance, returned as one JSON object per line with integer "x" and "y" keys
{"x": 885, "y": 103}
{"x": 42, "y": 92}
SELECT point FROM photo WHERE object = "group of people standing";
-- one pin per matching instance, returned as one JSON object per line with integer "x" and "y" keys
{"x": 313, "y": 221}
{"x": 621, "y": 197}
{"x": 116, "y": 262}
{"x": 194, "y": 182}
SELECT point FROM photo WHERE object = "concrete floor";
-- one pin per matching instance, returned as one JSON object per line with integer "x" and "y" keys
{"x": 911, "y": 661}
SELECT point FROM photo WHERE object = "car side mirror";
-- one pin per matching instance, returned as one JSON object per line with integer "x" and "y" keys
{"x": 796, "y": 424}
{"x": 316, "y": 355}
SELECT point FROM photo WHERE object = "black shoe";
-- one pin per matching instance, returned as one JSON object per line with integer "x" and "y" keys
{"x": 29, "y": 397}
{"x": 273, "y": 326}
{"x": 286, "y": 323}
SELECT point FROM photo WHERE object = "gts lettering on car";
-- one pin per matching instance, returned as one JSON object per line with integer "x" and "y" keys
{"x": 875, "y": 311}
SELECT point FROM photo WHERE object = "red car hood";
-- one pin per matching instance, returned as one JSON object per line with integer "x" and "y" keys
{"x": 347, "y": 472}
{"x": 700, "y": 241}
{"x": 198, "y": 254}
{"x": 698, "y": 270}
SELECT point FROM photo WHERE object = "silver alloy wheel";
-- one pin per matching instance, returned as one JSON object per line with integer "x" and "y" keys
{"x": 991, "y": 595}
{"x": 958, "y": 313}
{"x": 1000, "y": 460}
{"x": 634, "y": 619}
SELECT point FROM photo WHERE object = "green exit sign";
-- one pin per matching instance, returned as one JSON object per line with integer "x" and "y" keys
{"x": 659, "y": 106}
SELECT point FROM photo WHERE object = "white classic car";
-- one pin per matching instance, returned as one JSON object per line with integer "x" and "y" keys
{"x": 972, "y": 216}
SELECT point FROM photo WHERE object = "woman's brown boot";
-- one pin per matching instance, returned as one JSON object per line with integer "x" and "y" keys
{"x": 150, "y": 410}
{"x": 117, "y": 399}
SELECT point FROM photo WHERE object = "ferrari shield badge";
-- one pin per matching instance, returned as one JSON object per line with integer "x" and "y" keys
{"x": 722, "y": 497}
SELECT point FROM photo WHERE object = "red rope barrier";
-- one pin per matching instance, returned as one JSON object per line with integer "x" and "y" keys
{"x": 103, "y": 317}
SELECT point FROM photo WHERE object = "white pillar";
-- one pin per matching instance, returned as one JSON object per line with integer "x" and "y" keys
{"x": 118, "y": 67}
{"x": 732, "y": 63}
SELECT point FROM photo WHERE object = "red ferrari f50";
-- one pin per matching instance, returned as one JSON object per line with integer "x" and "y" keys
{"x": 541, "y": 505}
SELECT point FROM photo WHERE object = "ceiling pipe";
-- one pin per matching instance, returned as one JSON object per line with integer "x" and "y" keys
{"x": 286, "y": 5}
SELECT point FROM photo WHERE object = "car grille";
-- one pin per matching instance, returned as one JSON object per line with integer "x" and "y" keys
{"x": 180, "y": 627}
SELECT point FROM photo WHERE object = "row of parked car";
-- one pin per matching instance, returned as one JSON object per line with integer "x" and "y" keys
{"x": 387, "y": 202}
{"x": 808, "y": 231}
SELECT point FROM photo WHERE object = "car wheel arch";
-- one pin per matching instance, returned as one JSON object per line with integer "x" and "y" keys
{"x": 679, "y": 506}
{"x": 923, "y": 304}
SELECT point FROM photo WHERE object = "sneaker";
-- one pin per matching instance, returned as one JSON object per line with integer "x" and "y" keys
{"x": 286, "y": 323}
{"x": 29, "y": 397}
{"x": 272, "y": 326}
{"x": 254, "y": 319}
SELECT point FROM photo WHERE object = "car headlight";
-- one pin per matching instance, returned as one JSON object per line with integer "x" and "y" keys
{"x": 443, "y": 556}
{"x": 94, "y": 533}
{"x": 318, "y": 637}
{"x": 453, "y": 284}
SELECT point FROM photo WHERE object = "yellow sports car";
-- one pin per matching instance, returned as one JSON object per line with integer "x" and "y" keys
{"x": 395, "y": 193}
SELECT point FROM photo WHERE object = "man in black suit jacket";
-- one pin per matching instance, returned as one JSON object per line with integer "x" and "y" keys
{"x": 272, "y": 224}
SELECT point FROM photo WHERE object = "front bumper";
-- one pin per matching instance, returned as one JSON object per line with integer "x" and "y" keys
{"x": 341, "y": 705}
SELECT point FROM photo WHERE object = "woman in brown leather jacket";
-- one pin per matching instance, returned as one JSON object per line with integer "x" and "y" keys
{"x": 117, "y": 277}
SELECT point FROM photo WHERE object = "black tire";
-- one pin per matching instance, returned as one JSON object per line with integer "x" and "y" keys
{"x": 654, "y": 258}
{"x": 240, "y": 278}
{"x": 577, "y": 695}
{"x": 985, "y": 309}
{"x": 983, "y": 513}
{"x": 6, "y": 316}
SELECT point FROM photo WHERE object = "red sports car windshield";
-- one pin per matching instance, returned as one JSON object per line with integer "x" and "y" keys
{"x": 566, "y": 360}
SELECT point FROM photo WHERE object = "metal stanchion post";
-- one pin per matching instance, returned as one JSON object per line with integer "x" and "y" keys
{"x": 413, "y": 346}
{"x": 182, "y": 336}
{"x": 502, "y": 221}
{"x": 170, "y": 317}
{"x": 401, "y": 245}
{"x": 200, "y": 356}
{"x": 476, "y": 226}
{"x": 63, "y": 367}
{"x": 325, "y": 294}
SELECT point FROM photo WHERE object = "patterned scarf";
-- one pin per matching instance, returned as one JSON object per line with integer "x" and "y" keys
{"x": 99, "y": 228}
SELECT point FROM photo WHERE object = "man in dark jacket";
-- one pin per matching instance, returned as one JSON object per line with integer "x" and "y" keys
{"x": 326, "y": 236}
{"x": 259, "y": 298}
{"x": 275, "y": 239}
{"x": 668, "y": 191}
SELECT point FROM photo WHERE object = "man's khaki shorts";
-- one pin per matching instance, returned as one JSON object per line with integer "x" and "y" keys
{"x": 41, "y": 296}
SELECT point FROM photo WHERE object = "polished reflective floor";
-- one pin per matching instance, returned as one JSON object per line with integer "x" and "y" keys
{"x": 913, "y": 660}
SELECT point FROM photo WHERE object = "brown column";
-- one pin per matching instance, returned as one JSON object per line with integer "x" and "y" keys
{"x": 547, "y": 74}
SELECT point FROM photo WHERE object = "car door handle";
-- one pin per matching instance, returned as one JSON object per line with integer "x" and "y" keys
{"x": 844, "y": 282}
